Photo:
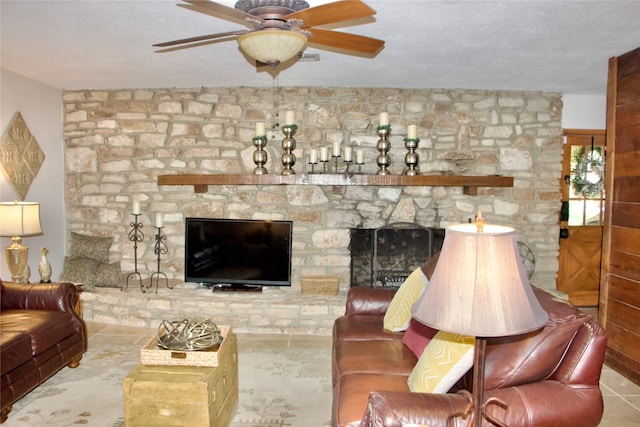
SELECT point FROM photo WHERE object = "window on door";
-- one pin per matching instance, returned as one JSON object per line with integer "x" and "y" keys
{"x": 584, "y": 192}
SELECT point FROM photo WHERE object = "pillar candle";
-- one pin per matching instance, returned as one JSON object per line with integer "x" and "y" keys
{"x": 313, "y": 156}
{"x": 289, "y": 118}
{"x": 336, "y": 149}
{"x": 260, "y": 129}
{"x": 324, "y": 154}
{"x": 384, "y": 119}
{"x": 136, "y": 207}
{"x": 412, "y": 132}
{"x": 347, "y": 154}
{"x": 159, "y": 220}
{"x": 360, "y": 157}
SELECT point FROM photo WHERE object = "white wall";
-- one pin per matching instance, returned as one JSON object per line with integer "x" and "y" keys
{"x": 41, "y": 108}
{"x": 584, "y": 112}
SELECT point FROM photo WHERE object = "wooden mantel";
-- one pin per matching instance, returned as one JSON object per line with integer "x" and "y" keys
{"x": 470, "y": 184}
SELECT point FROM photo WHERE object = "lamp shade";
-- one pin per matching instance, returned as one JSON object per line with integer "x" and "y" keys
{"x": 479, "y": 286}
{"x": 19, "y": 219}
{"x": 272, "y": 46}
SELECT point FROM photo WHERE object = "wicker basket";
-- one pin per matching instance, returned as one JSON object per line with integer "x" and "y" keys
{"x": 151, "y": 354}
{"x": 320, "y": 285}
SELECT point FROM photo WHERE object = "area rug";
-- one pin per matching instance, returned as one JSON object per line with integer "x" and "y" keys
{"x": 278, "y": 388}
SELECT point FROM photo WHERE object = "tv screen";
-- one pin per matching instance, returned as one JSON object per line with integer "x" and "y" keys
{"x": 232, "y": 252}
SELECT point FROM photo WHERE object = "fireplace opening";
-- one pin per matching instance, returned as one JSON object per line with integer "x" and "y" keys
{"x": 385, "y": 256}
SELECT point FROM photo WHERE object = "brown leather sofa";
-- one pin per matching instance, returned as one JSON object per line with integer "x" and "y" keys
{"x": 40, "y": 333}
{"x": 548, "y": 378}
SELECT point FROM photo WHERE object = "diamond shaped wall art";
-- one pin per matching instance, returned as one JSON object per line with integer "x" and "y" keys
{"x": 20, "y": 155}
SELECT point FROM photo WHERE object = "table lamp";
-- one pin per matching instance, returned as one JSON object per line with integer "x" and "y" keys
{"x": 480, "y": 288}
{"x": 18, "y": 220}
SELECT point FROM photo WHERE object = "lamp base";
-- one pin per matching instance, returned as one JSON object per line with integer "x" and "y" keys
{"x": 17, "y": 257}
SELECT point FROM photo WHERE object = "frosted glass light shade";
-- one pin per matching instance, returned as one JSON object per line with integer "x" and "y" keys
{"x": 272, "y": 46}
{"x": 479, "y": 286}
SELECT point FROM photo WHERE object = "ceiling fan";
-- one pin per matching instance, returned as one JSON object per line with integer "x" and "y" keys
{"x": 280, "y": 29}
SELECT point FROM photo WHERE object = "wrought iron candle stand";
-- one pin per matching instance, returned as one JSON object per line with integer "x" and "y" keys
{"x": 411, "y": 158}
{"x": 260, "y": 156}
{"x": 313, "y": 165}
{"x": 159, "y": 249}
{"x": 383, "y": 146}
{"x": 348, "y": 162}
{"x": 324, "y": 165}
{"x": 288, "y": 145}
{"x": 135, "y": 235}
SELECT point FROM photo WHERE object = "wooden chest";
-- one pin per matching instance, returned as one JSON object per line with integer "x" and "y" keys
{"x": 183, "y": 395}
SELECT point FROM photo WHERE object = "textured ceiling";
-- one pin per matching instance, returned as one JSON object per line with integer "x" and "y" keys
{"x": 561, "y": 46}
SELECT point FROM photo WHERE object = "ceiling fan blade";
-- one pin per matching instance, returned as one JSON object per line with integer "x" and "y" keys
{"x": 344, "y": 10}
{"x": 200, "y": 38}
{"x": 346, "y": 41}
{"x": 220, "y": 10}
{"x": 198, "y": 44}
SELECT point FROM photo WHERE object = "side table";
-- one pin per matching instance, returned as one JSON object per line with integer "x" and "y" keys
{"x": 183, "y": 395}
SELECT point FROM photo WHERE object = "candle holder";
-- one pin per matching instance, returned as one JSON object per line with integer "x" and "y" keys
{"x": 411, "y": 158}
{"x": 135, "y": 235}
{"x": 348, "y": 162}
{"x": 324, "y": 165}
{"x": 335, "y": 158}
{"x": 260, "y": 156}
{"x": 313, "y": 165}
{"x": 383, "y": 146}
{"x": 159, "y": 249}
{"x": 288, "y": 145}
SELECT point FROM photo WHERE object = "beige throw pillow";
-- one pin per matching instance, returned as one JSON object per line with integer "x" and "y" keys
{"x": 398, "y": 315}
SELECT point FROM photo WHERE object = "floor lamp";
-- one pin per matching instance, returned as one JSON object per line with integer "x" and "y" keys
{"x": 480, "y": 288}
{"x": 17, "y": 220}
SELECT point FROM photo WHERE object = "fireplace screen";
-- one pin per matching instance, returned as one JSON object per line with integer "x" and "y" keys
{"x": 384, "y": 257}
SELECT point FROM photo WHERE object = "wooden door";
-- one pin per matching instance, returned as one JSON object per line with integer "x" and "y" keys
{"x": 581, "y": 216}
{"x": 620, "y": 296}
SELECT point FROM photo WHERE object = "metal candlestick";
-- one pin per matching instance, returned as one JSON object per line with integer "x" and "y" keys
{"x": 313, "y": 165}
{"x": 135, "y": 235}
{"x": 411, "y": 158}
{"x": 288, "y": 145}
{"x": 159, "y": 249}
{"x": 260, "y": 156}
{"x": 324, "y": 165}
{"x": 336, "y": 162}
{"x": 348, "y": 162}
{"x": 383, "y": 146}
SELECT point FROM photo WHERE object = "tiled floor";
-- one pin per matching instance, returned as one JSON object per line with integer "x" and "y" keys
{"x": 621, "y": 396}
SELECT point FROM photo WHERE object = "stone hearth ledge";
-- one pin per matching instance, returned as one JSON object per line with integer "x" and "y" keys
{"x": 273, "y": 311}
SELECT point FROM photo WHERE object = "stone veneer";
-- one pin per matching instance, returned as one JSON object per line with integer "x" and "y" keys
{"x": 117, "y": 143}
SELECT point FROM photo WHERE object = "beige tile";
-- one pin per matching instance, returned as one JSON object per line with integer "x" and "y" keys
{"x": 618, "y": 384}
{"x": 618, "y": 413}
{"x": 310, "y": 342}
{"x": 254, "y": 342}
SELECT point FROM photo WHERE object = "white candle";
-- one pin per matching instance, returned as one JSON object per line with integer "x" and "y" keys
{"x": 412, "y": 132}
{"x": 260, "y": 129}
{"x": 324, "y": 154}
{"x": 384, "y": 119}
{"x": 159, "y": 220}
{"x": 313, "y": 156}
{"x": 360, "y": 157}
{"x": 347, "y": 154}
{"x": 289, "y": 118}
{"x": 136, "y": 207}
{"x": 336, "y": 149}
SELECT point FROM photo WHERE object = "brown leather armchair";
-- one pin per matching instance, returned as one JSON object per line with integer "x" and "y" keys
{"x": 548, "y": 378}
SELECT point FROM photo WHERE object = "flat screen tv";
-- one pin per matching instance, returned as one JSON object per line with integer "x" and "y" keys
{"x": 237, "y": 253}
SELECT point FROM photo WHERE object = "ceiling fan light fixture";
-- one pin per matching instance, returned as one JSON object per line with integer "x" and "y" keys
{"x": 272, "y": 46}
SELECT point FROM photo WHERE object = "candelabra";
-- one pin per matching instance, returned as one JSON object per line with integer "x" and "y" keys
{"x": 383, "y": 146}
{"x": 288, "y": 145}
{"x": 260, "y": 156}
{"x": 411, "y": 158}
{"x": 135, "y": 235}
{"x": 313, "y": 164}
{"x": 159, "y": 249}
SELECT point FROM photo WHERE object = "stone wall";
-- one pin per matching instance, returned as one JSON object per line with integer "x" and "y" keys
{"x": 118, "y": 142}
